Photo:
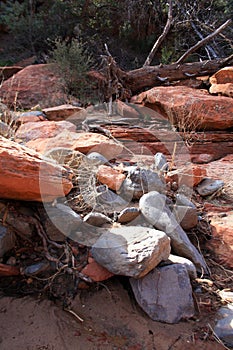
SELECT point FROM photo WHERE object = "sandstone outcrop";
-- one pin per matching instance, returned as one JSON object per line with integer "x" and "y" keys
{"x": 222, "y": 82}
{"x": 189, "y": 108}
{"x": 25, "y": 175}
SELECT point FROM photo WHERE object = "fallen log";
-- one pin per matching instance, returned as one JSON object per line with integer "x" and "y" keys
{"x": 125, "y": 84}
{"x": 150, "y": 76}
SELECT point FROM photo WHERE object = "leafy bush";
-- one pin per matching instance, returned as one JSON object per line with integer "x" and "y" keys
{"x": 73, "y": 62}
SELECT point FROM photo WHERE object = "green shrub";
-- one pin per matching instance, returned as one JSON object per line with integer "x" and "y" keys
{"x": 73, "y": 62}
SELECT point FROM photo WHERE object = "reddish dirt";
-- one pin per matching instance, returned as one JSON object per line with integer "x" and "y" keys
{"x": 112, "y": 321}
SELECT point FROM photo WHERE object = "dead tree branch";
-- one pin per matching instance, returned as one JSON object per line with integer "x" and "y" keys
{"x": 161, "y": 37}
{"x": 203, "y": 41}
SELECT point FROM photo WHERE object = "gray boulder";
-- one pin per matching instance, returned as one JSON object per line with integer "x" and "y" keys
{"x": 154, "y": 209}
{"x": 108, "y": 200}
{"x": 224, "y": 327}
{"x": 165, "y": 294}
{"x": 209, "y": 186}
{"x": 131, "y": 250}
{"x": 160, "y": 162}
{"x": 96, "y": 219}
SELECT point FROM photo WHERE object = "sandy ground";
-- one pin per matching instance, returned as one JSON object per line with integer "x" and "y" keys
{"x": 111, "y": 320}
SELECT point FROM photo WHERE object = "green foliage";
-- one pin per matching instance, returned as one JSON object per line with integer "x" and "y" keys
{"x": 166, "y": 54}
{"x": 33, "y": 22}
{"x": 127, "y": 26}
{"x": 73, "y": 62}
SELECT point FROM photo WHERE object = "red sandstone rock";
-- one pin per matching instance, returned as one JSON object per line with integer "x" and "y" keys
{"x": 126, "y": 110}
{"x": 223, "y": 76}
{"x": 190, "y": 175}
{"x": 8, "y": 270}
{"x": 190, "y": 108}
{"x": 96, "y": 272}
{"x": 62, "y": 112}
{"x": 222, "y": 82}
{"x": 204, "y": 147}
{"x": 222, "y": 239}
{"x": 110, "y": 177}
{"x": 35, "y": 84}
{"x": 25, "y": 175}
{"x": 82, "y": 142}
{"x": 222, "y": 89}
{"x": 45, "y": 129}
{"x": 29, "y": 119}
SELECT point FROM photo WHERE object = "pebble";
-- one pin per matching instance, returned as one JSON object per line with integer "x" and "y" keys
{"x": 128, "y": 215}
{"x": 96, "y": 219}
{"x": 96, "y": 158}
{"x": 160, "y": 162}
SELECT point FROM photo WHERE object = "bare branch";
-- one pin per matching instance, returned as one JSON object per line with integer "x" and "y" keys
{"x": 162, "y": 36}
{"x": 203, "y": 41}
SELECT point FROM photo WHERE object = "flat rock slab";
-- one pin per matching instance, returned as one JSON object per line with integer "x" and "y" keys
{"x": 82, "y": 142}
{"x": 131, "y": 250}
{"x": 44, "y": 129}
{"x": 165, "y": 294}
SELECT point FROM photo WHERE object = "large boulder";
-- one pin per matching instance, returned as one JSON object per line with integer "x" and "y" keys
{"x": 35, "y": 84}
{"x": 25, "y": 175}
{"x": 189, "y": 108}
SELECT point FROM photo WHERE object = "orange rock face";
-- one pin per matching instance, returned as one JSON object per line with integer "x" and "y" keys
{"x": 222, "y": 239}
{"x": 96, "y": 272}
{"x": 222, "y": 82}
{"x": 82, "y": 142}
{"x": 110, "y": 177}
{"x": 190, "y": 175}
{"x": 45, "y": 129}
{"x": 25, "y": 175}
{"x": 223, "y": 76}
{"x": 190, "y": 108}
{"x": 35, "y": 84}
